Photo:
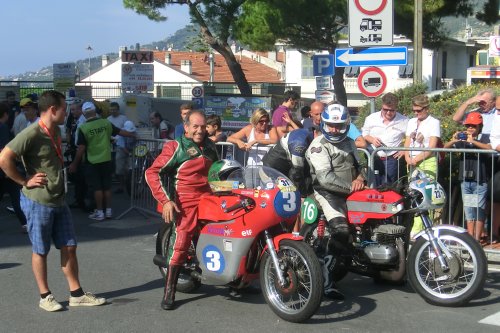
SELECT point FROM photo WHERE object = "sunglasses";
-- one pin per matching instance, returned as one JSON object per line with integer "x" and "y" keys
{"x": 419, "y": 110}
{"x": 264, "y": 121}
{"x": 470, "y": 125}
{"x": 388, "y": 110}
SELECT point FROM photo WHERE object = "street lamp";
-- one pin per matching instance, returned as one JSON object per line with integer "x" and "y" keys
{"x": 90, "y": 49}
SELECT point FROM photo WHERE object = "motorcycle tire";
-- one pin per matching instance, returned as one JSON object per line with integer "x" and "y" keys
{"x": 308, "y": 231}
{"x": 185, "y": 283}
{"x": 301, "y": 296}
{"x": 465, "y": 278}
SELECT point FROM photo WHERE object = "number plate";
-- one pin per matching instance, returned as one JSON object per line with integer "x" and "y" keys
{"x": 309, "y": 211}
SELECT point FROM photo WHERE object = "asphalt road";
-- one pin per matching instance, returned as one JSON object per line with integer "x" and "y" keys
{"x": 115, "y": 259}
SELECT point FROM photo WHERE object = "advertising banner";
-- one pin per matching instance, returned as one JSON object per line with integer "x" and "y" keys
{"x": 235, "y": 111}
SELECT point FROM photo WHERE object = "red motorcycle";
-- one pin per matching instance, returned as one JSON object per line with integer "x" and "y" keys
{"x": 445, "y": 265}
{"x": 245, "y": 235}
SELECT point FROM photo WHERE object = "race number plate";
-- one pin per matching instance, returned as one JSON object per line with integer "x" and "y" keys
{"x": 309, "y": 211}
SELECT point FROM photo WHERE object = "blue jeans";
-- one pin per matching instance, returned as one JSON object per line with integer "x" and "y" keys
{"x": 474, "y": 198}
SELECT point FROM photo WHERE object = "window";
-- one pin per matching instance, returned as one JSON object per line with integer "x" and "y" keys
{"x": 307, "y": 67}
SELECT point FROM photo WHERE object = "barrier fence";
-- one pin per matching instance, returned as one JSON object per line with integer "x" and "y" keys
{"x": 448, "y": 176}
{"x": 147, "y": 150}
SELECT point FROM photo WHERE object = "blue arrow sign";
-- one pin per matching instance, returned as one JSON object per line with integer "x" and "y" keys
{"x": 372, "y": 56}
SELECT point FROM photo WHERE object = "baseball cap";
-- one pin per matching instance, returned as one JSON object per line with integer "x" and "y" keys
{"x": 473, "y": 118}
{"x": 25, "y": 102}
{"x": 129, "y": 126}
{"x": 88, "y": 106}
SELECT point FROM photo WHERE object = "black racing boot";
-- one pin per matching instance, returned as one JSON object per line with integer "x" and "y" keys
{"x": 167, "y": 303}
{"x": 330, "y": 289}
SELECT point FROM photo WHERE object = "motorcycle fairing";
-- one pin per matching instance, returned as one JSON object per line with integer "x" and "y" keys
{"x": 220, "y": 257}
{"x": 372, "y": 204}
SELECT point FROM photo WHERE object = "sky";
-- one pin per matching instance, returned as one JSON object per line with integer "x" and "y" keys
{"x": 39, "y": 33}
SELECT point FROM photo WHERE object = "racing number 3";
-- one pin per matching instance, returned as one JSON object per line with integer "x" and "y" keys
{"x": 291, "y": 203}
{"x": 214, "y": 263}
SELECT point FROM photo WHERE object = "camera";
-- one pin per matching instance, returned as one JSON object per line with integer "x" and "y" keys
{"x": 462, "y": 136}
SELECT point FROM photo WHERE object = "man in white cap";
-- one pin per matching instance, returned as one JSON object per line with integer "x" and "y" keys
{"x": 94, "y": 147}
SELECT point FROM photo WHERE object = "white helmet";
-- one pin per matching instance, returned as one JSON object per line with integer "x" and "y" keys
{"x": 335, "y": 114}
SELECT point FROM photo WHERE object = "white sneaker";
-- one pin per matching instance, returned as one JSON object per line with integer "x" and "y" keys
{"x": 109, "y": 213}
{"x": 88, "y": 299}
{"x": 50, "y": 304}
{"x": 97, "y": 215}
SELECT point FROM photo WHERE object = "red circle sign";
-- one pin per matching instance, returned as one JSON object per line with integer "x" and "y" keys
{"x": 372, "y": 82}
{"x": 375, "y": 11}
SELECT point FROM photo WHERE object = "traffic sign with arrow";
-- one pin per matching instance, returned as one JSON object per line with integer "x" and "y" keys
{"x": 372, "y": 56}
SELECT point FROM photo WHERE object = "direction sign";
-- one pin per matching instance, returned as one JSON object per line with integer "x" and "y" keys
{"x": 371, "y": 23}
{"x": 372, "y": 56}
{"x": 323, "y": 65}
{"x": 372, "y": 82}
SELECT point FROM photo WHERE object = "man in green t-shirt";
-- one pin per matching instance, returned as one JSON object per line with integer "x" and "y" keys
{"x": 43, "y": 198}
{"x": 94, "y": 147}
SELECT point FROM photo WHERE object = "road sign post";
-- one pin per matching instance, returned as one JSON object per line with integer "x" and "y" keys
{"x": 370, "y": 23}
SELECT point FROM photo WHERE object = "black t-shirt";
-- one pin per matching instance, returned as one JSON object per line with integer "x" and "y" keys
{"x": 472, "y": 165}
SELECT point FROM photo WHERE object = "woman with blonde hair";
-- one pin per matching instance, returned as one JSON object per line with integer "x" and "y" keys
{"x": 423, "y": 131}
{"x": 255, "y": 137}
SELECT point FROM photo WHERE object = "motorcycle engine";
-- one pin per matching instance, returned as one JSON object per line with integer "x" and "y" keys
{"x": 384, "y": 252}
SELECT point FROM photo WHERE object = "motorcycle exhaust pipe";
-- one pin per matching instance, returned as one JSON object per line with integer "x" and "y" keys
{"x": 397, "y": 275}
{"x": 160, "y": 261}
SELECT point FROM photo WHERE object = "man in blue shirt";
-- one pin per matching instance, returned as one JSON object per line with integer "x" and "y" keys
{"x": 179, "y": 129}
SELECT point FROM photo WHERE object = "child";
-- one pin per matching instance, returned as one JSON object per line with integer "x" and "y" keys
{"x": 472, "y": 173}
{"x": 214, "y": 129}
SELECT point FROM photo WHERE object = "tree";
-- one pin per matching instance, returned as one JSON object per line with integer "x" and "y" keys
{"x": 319, "y": 24}
{"x": 216, "y": 20}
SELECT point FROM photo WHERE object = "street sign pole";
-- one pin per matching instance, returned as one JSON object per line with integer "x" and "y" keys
{"x": 372, "y": 105}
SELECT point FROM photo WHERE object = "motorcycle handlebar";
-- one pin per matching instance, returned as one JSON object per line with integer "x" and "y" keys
{"x": 244, "y": 203}
{"x": 234, "y": 207}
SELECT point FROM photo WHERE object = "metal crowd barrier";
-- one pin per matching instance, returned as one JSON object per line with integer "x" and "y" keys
{"x": 141, "y": 199}
{"x": 447, "y": 176}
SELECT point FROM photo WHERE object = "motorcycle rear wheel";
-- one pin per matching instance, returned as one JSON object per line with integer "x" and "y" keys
{"x": 299, "y": 299}
{"x": 465, "y": 278}
{"x": 309, "y": 232}
{"x": 185, "y": 283}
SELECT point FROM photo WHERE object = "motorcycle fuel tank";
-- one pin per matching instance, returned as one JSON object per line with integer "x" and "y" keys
{"x": 372, "y": 204}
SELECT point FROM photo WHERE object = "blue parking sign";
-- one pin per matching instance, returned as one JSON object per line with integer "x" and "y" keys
{"x": 198, "y": 102}
{"x": 323, "y": 64}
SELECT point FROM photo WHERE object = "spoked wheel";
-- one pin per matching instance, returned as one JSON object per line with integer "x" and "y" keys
{"x": 310, "y": 234}
{"x": 461, "y": 282}
{"x": 164, "y": 244}
{"x": 299, "y": 298}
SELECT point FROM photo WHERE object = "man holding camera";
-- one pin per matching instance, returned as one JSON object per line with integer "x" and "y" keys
{"x": 485, "y": 100}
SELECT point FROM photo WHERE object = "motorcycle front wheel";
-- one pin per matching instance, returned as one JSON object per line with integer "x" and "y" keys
{"x": 461, "y": 282}
{"x": 185, "y": 283}
{"x": 300, "y": 297}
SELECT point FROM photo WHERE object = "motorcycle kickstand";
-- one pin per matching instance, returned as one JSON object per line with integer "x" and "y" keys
{"x": 274, "y": 257}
